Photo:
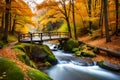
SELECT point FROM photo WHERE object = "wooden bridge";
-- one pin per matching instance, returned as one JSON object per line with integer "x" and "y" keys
{"x": 43, "y": 36}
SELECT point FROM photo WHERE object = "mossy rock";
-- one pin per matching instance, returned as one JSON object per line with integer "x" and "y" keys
{"x": 35, "y": 74}
{"x": 20, "y": 47}
{"x": 25, "y": 59}
{"x": 109, "y": 66}
{"x": 70, "y": 44}
{"x": 37, "y": 52}
{"x": 43, "y": 53}
{"x": 11, "y": 70}
{"x": 78, "y": 53}
{"x": 88, "y": 54}
{"x": 100, "y": 63}
{"x": 75, "y": 49}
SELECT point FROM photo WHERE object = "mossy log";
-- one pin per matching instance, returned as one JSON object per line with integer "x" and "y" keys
{"x": 110, "y": 52}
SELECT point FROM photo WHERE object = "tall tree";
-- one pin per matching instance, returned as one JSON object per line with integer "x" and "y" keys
{"x": 59, "y": 8}
{"x": 117, "y": 11}
{"x": 101, "y": 18}
{"x": 105, "y": 3}
{"x": 67, "y": 15}
{"x": 5, "y": 36}
{"x": 89, "y": 14}
{"x": 73, "y": 14}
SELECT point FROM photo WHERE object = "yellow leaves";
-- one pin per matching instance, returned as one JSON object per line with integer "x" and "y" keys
{"x": 21, "y": 28}
{"x": 47, "y": 4}
{"x": 90, "y": 19}
{"x": 20, "y": 7}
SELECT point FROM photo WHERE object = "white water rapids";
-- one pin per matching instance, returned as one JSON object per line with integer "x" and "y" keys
{"x": 66, "y": 70}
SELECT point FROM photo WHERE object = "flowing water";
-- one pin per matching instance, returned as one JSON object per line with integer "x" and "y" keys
{"x": 70, "y": 69}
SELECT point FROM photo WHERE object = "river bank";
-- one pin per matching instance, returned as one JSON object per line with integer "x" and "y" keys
{"x": 71, "y": 68}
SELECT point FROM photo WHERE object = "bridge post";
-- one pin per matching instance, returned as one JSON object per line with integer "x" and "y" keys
{"x": 41, "y": 36}
{"x": 59, "y": 34}
{"x": 31, "y": 37}
{"x": 49, "y": 34}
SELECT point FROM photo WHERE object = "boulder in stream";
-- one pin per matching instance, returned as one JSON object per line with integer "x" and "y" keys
{"x": 83, "y": 61}
{"x": 109, "y": 66}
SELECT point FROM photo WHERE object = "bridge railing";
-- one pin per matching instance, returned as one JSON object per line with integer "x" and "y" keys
{"x": 42, "y": 36}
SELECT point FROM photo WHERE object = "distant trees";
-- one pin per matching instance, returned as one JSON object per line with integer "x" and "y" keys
{"x": 83, "y": 16}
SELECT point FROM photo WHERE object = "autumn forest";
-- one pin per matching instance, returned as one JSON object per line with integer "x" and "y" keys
{"x": 39, "y": 36}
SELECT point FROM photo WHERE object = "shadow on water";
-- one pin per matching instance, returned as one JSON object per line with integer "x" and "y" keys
{"x": 67, "y": 70}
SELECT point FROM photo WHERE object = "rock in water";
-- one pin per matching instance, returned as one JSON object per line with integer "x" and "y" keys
{"x": 110, "y": 66}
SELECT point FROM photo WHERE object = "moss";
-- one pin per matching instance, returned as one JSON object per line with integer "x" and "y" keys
{"x": 82, "y": 47}
{"x": 47, "y": 64}
{"x": 20, "y": 47}
{"x": 75, "y": 49}
{"x": 96, "y": 50}
{"x": 37, "y": 75}
{"x": 88, "y": 54}
{"x": 78, "y": 53}
{"x": 12, "y": 71}
{"x": 70, "y": 44}
{"x": 100, "y": 63}
{"x": 34, "y": 50}
{"x": 25, "y": 59}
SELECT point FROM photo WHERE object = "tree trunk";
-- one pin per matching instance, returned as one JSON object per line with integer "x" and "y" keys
{"x": 10, "y": 27}
{"x": 68, "y": 24}
{"x": 13, "y": 27}
{"x": 66, "y": 17}
{"x": 73, "y": 14}
{"x": 3, "y": 20}
{"x": 106, "y": 20}
{"x": 101, "y": 19}
{"x": 89, "y": 14}
{"x": 117, "y": 9}
{"x": 5, "y": 36}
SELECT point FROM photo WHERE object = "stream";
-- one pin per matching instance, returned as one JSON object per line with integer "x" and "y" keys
{"x": 70, "y": 68}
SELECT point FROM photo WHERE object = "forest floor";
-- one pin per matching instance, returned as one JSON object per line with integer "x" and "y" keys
{"x": 101, "y": 42}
